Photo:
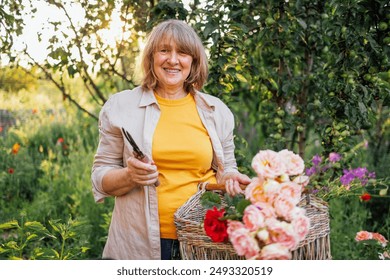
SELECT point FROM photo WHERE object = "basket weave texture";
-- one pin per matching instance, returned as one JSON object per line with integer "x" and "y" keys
{"x": 196, "y": 245}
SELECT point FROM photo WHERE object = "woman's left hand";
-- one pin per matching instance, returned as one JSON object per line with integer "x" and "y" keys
{"x": 232, "y": 182}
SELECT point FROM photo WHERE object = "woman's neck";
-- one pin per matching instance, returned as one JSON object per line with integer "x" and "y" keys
{"x": 170, "y": 93}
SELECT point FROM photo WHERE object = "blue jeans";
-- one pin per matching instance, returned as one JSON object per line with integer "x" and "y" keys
{"x": 170, "y": 249}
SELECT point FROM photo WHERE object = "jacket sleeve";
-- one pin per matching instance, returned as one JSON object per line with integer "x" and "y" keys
{"x": 109, "y": 153}
{"x": 230, "y": 164}
{"x": 224, "y": 123}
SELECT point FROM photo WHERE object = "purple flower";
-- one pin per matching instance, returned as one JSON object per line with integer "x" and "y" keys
{"x": 371, "y": 175}
{"x": 316, "y": 160}
{"x": 347, "y": 178}
{"x": 359, "y": 172}
{"x": 334, "y": 157}
{"x": 310, "y": 171}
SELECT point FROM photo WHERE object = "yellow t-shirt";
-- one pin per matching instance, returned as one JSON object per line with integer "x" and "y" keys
{"x": 183, "y": 153}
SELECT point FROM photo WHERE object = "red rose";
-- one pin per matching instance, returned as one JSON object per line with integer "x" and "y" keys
{"x": 11, "y": 170}
{"x": 365, "y": 197}
{"x": 216, "y": 228}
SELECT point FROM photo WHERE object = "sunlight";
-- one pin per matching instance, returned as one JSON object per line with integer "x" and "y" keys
{"x": 115, "y": 32}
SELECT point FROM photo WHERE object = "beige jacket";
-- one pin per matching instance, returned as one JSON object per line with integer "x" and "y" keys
{"x": 134, "y": 229}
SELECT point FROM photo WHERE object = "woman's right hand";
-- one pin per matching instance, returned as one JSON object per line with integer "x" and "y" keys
{"x": 141, "y": 173}
{"x": 118, "y": 182}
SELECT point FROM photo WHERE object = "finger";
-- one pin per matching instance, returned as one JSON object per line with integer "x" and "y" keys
{"x": 244, "y": 179}
{"x": 137, "y": 164}
{"x": 229, "y": 187}
{"x": 236, "y": 187}
{"x": 148, "y": 179}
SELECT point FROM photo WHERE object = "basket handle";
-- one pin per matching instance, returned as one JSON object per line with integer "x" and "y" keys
{"x": 219, "y": 187}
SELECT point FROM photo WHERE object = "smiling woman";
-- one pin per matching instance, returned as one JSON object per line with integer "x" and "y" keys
{"x": 187, "y": 136}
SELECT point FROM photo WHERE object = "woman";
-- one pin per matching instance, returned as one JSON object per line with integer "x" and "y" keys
{"x": 187, "y": 136}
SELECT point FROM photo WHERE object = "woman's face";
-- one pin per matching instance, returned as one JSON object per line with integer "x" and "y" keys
{"x": 171, "y": 66}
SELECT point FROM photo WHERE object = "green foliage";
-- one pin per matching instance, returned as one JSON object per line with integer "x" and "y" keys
{"x": 32, "y": 240}
{"x": 210, "y": 199}
{"x": 234, "y": 206}
{"x": 16, "y": 79}
{"x": 50, "y": 184}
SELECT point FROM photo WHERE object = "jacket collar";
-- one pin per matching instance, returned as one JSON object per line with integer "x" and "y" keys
{"x": 147, "y": 98}
{"x": 201, "y": 99}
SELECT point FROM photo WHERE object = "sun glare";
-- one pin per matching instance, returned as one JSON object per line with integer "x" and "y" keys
{"x": 114, "y": 33}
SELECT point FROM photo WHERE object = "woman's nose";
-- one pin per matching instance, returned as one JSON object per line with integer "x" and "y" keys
{"x": 173, "y": 57}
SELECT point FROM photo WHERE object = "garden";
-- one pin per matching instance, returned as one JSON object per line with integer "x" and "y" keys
{"x": 312, "y": 77}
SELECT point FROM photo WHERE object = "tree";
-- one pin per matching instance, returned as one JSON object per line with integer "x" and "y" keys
{"x": 296, "y": 71}
{"x": 300, "y": 67}
{"x": 77, "y": 49}
{"x": 15, "y": 79}
{"x": 11, "y": 23}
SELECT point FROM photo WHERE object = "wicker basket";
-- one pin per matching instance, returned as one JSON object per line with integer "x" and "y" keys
{"x": 196, "y": 245}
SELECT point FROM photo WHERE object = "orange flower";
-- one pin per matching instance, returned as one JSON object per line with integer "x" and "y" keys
{"x": 15, "y": 148}
{"x": 365, "y": 197}
{"x": 34, "y": 111}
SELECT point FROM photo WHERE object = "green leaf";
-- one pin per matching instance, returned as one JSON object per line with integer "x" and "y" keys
{"x": 210, "y": 199}
{"x": 242, "y": 205}
{"x": 34, "y": 225}
{"x": 54, "y": 224}
{"x": 302, "y": 23}
{"x": 84, "y": 249}
{"x": 237, "y": 199}
{"x": 241, "y": 78}
{"x": 12, "y": 245}
{"x": 228, "y": 199}
{"x": 9, "y": 225}
{"x": 56, "y": 254}
{"x": 2, "y": 250}
{"x": 31, "y": 236}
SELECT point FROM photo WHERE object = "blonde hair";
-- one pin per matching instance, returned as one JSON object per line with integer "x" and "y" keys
{"x": 187, "y": 41}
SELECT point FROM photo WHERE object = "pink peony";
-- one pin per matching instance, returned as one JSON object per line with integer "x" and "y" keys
{"x": 254, "y": 191}
{"x": 380, "y": 238}
{"x": 271, "y": 190}
{"x": 292, "y": 190}
{"x": 363, "y": 235}
{"x": 282, "y": 232}
{"x": 233, "y": 226}
{"x": 243, "y": 242}
{"x": 294, "y": 164}
{"x": 266, "y": 208}
{"x": 284, "y": 205}
{"x": 253, "y": 218}
{"x": 274, "y": 251}
{"x": 268, "y": 164}
{"x": 263, "y": 236}
{"x": 302, "y": 180}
